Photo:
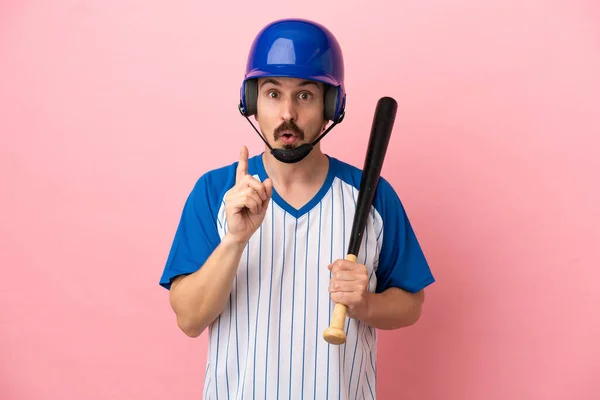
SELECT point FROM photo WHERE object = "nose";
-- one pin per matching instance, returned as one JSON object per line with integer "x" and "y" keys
{"x": 288, "y": 109}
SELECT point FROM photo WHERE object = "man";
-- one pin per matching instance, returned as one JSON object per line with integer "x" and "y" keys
{"x": 258, "y": 256}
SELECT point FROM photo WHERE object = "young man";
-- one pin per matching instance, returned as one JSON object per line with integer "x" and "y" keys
{"x": 258, "y": 256}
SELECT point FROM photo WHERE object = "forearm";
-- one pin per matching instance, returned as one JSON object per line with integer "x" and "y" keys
{"x": 392, "y": 309}
{"x": 197, "y": 299}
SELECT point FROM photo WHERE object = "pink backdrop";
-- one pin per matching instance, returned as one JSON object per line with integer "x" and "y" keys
{"x": 105, "y": 110}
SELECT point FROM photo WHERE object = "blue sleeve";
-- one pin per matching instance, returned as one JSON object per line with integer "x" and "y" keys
{"x": 402, "y": 263}
{"x": 196, "y": 236}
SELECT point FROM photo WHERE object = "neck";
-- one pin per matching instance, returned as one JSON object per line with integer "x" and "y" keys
{"x": 311, "y": 170}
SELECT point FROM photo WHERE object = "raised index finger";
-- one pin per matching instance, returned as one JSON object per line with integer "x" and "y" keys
{"x": 242, "y": 168}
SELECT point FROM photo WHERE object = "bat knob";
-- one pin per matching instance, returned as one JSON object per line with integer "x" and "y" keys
{"x": 334, "y": 335}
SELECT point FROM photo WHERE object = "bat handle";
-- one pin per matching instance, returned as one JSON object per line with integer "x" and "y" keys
{"x": 335, "y": 333}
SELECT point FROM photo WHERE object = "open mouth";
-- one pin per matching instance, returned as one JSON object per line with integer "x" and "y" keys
{"x": 288, "y": 138}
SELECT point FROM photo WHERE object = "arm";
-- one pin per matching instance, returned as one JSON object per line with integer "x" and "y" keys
{"x": 401, "y": 270}
{"x": 394, "y": 308}
{"x": 201, "y": 266}
{"x": 198, "y": 298}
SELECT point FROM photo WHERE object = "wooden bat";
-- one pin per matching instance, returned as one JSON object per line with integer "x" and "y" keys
{"x": 383, "y": 122}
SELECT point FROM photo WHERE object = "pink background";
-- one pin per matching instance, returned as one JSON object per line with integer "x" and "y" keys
{"x": 105, "y": 110}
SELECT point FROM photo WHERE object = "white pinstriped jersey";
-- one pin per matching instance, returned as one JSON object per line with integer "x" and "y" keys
{"x": 267, "y": 343}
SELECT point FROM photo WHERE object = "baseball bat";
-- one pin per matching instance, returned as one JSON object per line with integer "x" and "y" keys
{"x": 381, "y": 129}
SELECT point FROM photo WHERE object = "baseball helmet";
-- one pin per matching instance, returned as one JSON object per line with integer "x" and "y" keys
{"x": 296, "y": 48}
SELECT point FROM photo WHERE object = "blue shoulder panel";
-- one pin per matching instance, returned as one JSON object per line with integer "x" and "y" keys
{"x": 402, "y": 263}
{"x": 197, "y": 234}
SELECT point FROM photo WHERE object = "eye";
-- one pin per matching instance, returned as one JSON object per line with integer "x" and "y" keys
{"x": 272, "y": 94}
{"x": 305, "y": 96}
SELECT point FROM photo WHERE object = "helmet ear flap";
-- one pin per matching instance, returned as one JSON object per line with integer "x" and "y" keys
{"x": 249, "y": 97}
{"x": 334, "y": 104}
{"x": 331, "y": 97}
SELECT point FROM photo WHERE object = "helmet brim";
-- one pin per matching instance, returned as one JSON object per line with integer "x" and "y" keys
{"x": 292, "y": 71}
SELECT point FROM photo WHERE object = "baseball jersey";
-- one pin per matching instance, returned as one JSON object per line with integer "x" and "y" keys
{"x": 268, "y": 341}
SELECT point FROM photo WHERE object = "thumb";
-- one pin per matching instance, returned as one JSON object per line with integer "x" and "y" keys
{"x": 269, "y": 188}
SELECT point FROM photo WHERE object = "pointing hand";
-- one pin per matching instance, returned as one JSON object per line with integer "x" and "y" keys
{"x": 246, "y": 203}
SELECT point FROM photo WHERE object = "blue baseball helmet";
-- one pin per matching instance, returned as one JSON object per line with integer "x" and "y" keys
{"x": 296, "y": 48}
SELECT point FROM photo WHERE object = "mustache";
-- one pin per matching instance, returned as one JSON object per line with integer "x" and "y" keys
{"x": 288, "y": 126}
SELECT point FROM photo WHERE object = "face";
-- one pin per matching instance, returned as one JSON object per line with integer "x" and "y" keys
{"x": 290, "y": 111}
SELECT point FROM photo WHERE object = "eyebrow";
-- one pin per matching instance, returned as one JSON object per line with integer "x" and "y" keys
{"x": 276, "y": 83}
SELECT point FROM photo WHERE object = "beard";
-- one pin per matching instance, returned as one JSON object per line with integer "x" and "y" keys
{"x": 289, "y": 127}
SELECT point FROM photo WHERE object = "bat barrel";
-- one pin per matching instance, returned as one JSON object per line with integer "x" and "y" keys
{"x": 381, "y": 131}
